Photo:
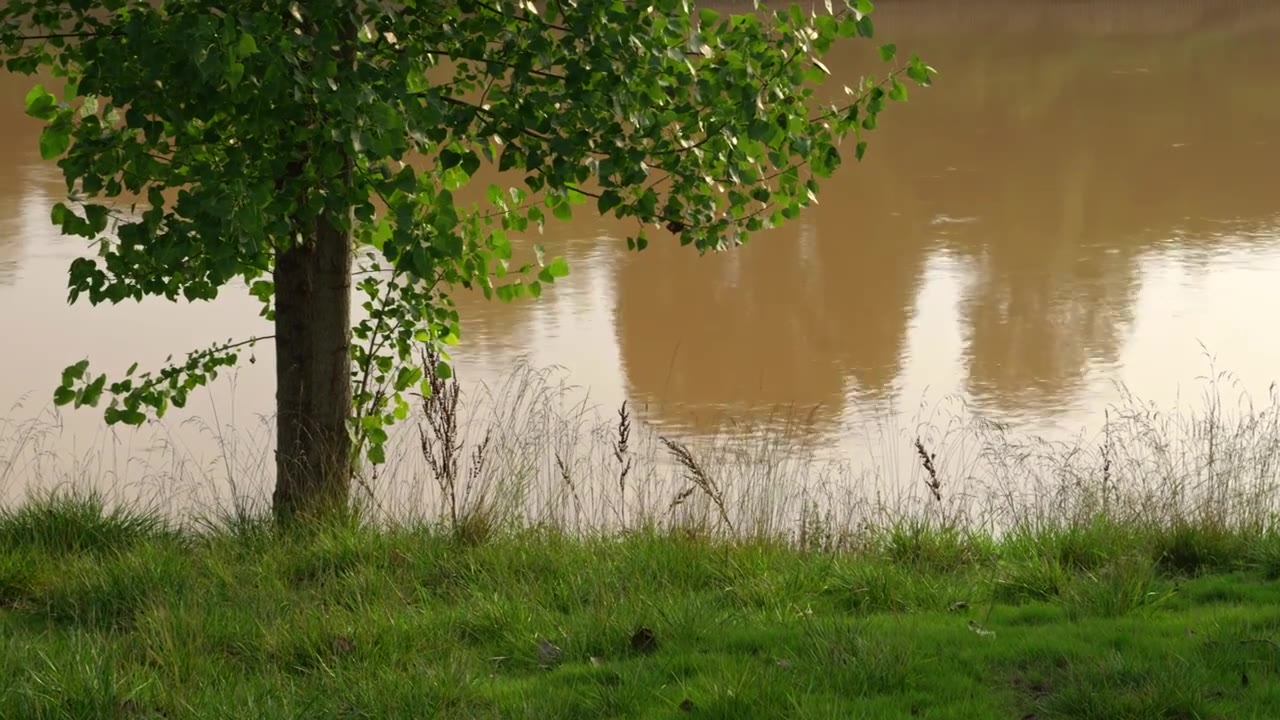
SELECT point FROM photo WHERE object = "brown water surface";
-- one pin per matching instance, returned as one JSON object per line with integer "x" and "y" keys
{"x": 1087, "y": 197}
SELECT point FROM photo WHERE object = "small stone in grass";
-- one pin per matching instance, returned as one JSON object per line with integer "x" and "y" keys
{"x": 548, "y": 654}
{"x": 643, "y": 640}
{"x": 686, "y": 705}
{"x": 976, "y": 627}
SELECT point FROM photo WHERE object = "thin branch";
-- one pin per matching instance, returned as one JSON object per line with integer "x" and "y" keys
{"x": 242, "y": 343}
{"x": 195, "y": 357}
{"x": 858, "y": 100}
{"x": 524, "y": 18}
{"x": 493, "y": 118}
{"x": 70, "y": 36}
{"x": 493, "y": 61}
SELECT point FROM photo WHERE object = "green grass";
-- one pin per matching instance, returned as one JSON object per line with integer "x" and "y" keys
{"x": 116, "y": 615}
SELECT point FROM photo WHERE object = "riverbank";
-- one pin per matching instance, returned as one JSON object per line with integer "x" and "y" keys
{"x": 114, "y": 614}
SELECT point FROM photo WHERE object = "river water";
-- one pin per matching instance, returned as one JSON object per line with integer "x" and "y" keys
{"x": 1087, "y": 199}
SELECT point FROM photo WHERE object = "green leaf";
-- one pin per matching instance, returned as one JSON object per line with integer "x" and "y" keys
{"x": 96, "y": 217}
{"x": 128, "y": 416}
{"x": 918, "y": 71}
{"x": 40, "y": 104}
{"x": 888, "y": 51}
{"x": 496, "y": 197}
{"x": 74, "y": 372}
{"x": 449, "y": 158}
{"x": 562, "y": 211}
{"x": 377, "y": 454}
{"x": 402, "y": 408}
{"x": 406, "y": 377}
{"x": 92, "y": 392}
{"x": 898, "y": 92}
{"x": 63, "y": 395}
{"x": 558, "y": 268}
{"x": 381, "y": 233}
{"x": 235, "y": 73}
{"x": 608, "y": 200}
{"x": 861, "y": 149}
{"x": 455, "y": 177}
{"x": 54, "y": 140}
{"x": 377, "y": 436}
{"x": 501, "y": 245}
{"x": 263, "y": 290}
{"x": 247, "y": 45}
{"x": 443, "y": 371}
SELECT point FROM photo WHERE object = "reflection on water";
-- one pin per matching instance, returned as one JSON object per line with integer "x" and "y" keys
{"x": 1086, "y": 196}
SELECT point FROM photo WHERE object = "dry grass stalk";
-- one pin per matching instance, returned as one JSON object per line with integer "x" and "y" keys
{"x": 621, "y": 454}
{"x": 438, "y": 435}
{"x": 680, "y": 498}
{"x": 927, "y": 459}
{"x": 566, "y": 478}
{"x": 699, "y": 477}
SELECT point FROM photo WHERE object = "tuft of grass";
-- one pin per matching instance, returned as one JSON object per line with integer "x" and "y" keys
{"x": 1191, "y": 548}
{"x": 1041, "y": 578}
{"x": 71, "y": 522}
{"x": 1120, "y": 588}
{"x": 915, "y": 543}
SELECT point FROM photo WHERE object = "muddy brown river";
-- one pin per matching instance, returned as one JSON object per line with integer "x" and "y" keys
{"x": 1088, "y": 199}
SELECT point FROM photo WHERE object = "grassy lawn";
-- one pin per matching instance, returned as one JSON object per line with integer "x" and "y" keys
{"x": 115, "y": 616}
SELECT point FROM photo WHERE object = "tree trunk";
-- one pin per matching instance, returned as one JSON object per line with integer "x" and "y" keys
{"x": 313, "y": 372}
{"x": 313, "y": 333}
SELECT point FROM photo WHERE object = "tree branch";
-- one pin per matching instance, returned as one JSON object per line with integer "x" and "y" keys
{"x": 70, "y": 36}
{"x": 493, "y": 61}
{"x": 523, "y": 18}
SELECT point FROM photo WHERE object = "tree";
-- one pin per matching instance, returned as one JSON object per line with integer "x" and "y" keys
{"x": 268, "y": 142}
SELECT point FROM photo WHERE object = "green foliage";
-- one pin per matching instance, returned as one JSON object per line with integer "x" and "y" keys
{"x": 227, "y": 133}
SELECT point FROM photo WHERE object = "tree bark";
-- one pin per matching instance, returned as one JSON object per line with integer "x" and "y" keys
{"x": 313, "y": 335}
{"x": 313, "y": 372}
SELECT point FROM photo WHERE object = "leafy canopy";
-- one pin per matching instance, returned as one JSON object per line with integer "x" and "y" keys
{"x": 198, "y": 136}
